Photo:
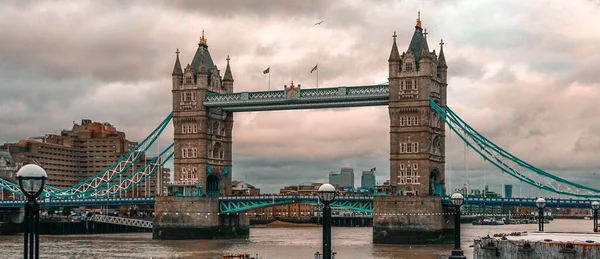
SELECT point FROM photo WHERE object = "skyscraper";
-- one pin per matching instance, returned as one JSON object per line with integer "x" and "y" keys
{"x": 335, "y": 178}
{"x": 347, "y": 177}
{"x": 367, "y": 180}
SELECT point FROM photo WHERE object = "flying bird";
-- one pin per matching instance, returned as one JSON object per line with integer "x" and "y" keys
{"x": 319, "y": 23}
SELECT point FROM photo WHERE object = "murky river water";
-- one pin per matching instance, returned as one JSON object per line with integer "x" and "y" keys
{"x": 269, "y": 243}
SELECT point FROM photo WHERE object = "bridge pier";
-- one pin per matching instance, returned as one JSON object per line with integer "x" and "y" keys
{"x": 178, "y": 218}
{"x": 411, "y": 220}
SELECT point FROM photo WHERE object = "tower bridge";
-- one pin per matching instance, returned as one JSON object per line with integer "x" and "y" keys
{"x": 203, "y": 108}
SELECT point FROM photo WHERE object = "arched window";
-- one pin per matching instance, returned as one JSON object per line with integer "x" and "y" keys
{"x": 402, "y": 118}
{"x": 188, "y": 128}
{"x": 217, "y": 150}
{"x": 183, "y": 128}
{"x": 194, "y": 173}
{"x": 195, "y": 128}
{"x": 185, "y": 153}
{"x": 215, "y": 128}
{"x": 183, "y": 173}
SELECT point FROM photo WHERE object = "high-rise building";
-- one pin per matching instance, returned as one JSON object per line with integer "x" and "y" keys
{"x": 367, "y": 180}
{"x": 335, "y": 178}
{"x": 508, "y": 191}
{"x": 80, "y": 153}
{"x": 347, "y": 177}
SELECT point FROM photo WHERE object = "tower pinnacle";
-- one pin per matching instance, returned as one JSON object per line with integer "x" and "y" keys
{"x": 202, "y": 39}
{"x": 419, "y": 19}
{"x": 177, "y": 71}
{"x": 228, "y": 77}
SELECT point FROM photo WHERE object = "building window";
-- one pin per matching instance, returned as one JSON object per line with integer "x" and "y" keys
{"x": 409, "y": 173}
{"x": 407, "y": 121}
{"x": 194, "y": 128}
{"x": 183, "y": 128}
{"x": 215, "y": 128}
{"x": 189, "y": 128}
{"x": 186, "y": 153}
{"x": 409, "y": 66}
{"x": 409, "y": 147}
{"x": 188, "y": 80}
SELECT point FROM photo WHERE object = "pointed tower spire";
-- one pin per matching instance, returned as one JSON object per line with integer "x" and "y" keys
{"x": 419, "y": 19}
{"x": 228, "y": 76}
{"x": 394, "y": 54}
{"x": 202, "y": 39}
{"x": 177, "y": 71}
{"x": 441, "y": 58}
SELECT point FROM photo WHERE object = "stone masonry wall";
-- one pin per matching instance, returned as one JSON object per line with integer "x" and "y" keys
{"x": 411, "y": 220}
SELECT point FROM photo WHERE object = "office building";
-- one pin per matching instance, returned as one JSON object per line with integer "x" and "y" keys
{"x": 347, "y": 177}
{"x": 335, "y": 178}
{"x": 84, "y": 151}
{"x": 367, "y": 180}
{"x": 508, "y": 191}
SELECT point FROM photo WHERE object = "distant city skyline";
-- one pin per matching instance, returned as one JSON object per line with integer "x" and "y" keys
{"x": 530, "y": 89}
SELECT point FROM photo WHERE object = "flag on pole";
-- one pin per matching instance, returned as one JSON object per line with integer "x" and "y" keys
{"x": 267, "y": 70}
{"x": 314, "y": 68}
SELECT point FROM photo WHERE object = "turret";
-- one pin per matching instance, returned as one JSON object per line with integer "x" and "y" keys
{"x": 426, "y": 61}
{"x": 177, "y": 73}
{"x": 228, "y": 79}
{"x": 394, "y": 61}
{"x": 442, "y": 67}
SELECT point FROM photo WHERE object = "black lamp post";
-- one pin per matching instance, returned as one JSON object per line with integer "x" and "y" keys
{"x": 32, "y": 179}
{"x": 457, "y": 200}
{"x": 327, "y": 195}
{"x": 540, "y": 203}
{"x": 595, "y": 207}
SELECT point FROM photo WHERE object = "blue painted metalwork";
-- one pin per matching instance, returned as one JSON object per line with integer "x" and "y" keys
{"x": 365, "y": 203}
{"x": 296, "y": 98}
{"x": 81, "y": 202}
{"x": 244, "y": 203}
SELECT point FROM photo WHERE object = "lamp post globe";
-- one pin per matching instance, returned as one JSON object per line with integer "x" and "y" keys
{"x": 540, "y": 203}
{"x": 32, "y": 179}
{"x": 457, "y": 199}
{"x": 326, "y": 193}
{"x": 595, "y": 205}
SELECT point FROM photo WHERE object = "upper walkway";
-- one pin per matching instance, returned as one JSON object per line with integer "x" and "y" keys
{"x": 292, "y": 98}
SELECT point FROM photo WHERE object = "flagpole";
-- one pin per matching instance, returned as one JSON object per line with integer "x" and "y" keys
{"x": 317, "y": 76}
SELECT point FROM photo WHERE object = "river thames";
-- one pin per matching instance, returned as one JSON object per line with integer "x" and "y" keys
{"x": 268, "y": 243}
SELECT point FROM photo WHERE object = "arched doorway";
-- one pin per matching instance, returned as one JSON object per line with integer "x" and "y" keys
{"x": 212, "y": 185}
{"x": 435, "y": 183}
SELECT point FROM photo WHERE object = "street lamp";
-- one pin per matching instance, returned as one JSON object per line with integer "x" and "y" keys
{"x": 326, "y": 194}
{"x": 32, "y": 179}
{"x": 457, "y": 200}
{"x": 595, "y": 207}
{"x": 540, "y": 203}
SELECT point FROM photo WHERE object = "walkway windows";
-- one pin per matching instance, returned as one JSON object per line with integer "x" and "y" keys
{"x": 409, "y": 147}
{"x": 407, "y": 121}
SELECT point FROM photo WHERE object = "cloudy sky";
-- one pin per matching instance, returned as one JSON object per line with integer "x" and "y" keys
{"x": 524, "y": 73}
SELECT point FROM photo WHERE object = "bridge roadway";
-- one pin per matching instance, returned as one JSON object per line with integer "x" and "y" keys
{"x": 233, "y": 204}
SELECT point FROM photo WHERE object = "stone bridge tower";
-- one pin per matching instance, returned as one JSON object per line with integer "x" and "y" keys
{"x": 416, "y": 214}
{"x": 202, "y": 136}
{"x": 417, "y": 133}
